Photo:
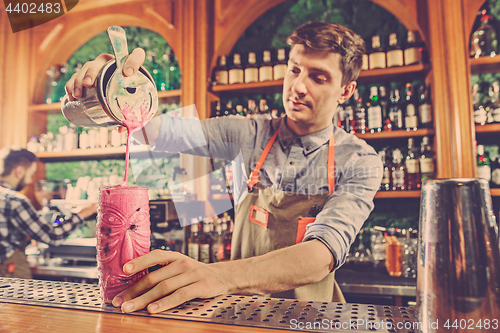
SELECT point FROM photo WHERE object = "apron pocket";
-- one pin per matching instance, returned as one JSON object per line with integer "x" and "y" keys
{"x": 258, "y": 216}
{"x": 301, "y": 227}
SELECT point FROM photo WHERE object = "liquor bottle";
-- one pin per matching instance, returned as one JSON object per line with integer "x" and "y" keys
{"x": 206, "y": 242}
{"x": 398, "y": 171}
{"x": 426, "y": 160}
{"x": 365, "y": 62}
{"x": 378, "y": 246}
{"x": 221, "y": 75}
{"x": 239, "y": 110}
{"x": 393, "y": 254}
{"x": 229, "y": 108}
{"x": 218, "y": 245}
{"x": 374, "y": 111}
{"x": 263, "y": 108}
{"x": 484, "y": 40}
{"x": 266, "y": 68}
{"x": 194, "y": 241}
{"x": 218, "y": 112}
{"x": 394, "y": 52}
{"x": 384, "y": 104}
{"x": 412, "y": 169}
{"x": 346, "y": 117}
{"x": 252, "y": 108}
{"x": 376, "y": 58}
{"x": 174, "y": 72}
{"x": 279, "y": 68}
{"x": 495, "y": 102}
{"x": 252, "y": 70}
{"x": 236, "y": 71}
{"x": 424, "y": 107}
{"x": 395, "y": 111}
{"x": 413, "y": 53}
{"x": 227, "y": 229}
{"x": 410, "y": 109}
{"x": 480, "y": 114}
{"x": 385, "y": 184}
{"x": 360, "y": 113}
{"x": 495, "y": 174}
{"x": 483, "y": 164}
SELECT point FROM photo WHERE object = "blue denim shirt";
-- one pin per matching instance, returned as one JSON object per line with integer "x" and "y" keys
{"x": 295, "y": 164}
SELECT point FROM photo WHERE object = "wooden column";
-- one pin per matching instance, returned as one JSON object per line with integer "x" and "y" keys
{"x": 451, "y": 93}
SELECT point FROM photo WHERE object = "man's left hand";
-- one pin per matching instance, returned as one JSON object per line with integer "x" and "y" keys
{"x": 180, "y": 280}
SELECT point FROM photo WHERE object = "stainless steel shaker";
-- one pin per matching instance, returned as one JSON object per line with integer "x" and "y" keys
{"x": 458, "y": 274}
{"x": 102, "y": 104}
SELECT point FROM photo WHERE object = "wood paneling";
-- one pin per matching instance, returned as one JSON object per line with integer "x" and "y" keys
{"x": 451, "y": 95}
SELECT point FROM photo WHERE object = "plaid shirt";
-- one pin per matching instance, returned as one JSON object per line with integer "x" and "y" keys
{"x": 19, "y": 219}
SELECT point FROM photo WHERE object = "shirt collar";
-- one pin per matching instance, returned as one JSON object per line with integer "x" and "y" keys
{"x": 6, "y": 185}
{"x": 309, "y": 142}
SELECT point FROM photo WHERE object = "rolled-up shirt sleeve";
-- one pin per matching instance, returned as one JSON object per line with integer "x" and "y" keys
{"x": 348, "y": 207}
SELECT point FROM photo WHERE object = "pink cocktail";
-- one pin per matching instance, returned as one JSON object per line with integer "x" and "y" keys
{"x": 123, "y": 231}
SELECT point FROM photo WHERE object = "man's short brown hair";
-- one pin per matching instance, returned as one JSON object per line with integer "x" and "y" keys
{"x": 12, "y": 157}
{"x": 336, "y": 38}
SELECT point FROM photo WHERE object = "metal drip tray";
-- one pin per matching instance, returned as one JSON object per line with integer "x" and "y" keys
{"x": 256, "y": 311}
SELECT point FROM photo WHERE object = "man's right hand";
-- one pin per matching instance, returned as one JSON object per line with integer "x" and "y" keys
{"x": 87, "y": 75}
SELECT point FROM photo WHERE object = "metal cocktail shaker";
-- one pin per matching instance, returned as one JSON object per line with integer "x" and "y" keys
{"x": 102, "y": 104}
{"x": 458, "y": 274}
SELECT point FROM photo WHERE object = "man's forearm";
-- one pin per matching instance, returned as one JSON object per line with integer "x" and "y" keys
{"x": 280, "y": 270}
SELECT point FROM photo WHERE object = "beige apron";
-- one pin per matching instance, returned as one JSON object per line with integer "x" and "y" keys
{"x": 269, "y": 219}
{"x": 16, "y": 266}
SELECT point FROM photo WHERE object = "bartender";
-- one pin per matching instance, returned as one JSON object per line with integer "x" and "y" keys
{"x": 19, "y": 220}
{"x": 310, "y": 186}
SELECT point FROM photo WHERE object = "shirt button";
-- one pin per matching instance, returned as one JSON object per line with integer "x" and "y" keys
{"x": 292, "y": 163}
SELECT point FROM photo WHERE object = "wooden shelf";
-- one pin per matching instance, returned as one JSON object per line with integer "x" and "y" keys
{"x": 495, "y": 192}
{"x": 276, "y": 86}
{"x": 396, "y": 134}
{"x": 488, "y": 128}
{"x": 485, "y": 64}
{"x": 89, "y": 154}
{"x": 169, "y": 93}
{"x": 56, "y": 107}
{"x": 393, "y": 73}
{"x": 397, "y": 194}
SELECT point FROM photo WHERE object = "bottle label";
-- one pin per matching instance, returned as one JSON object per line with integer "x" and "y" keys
{"x": 412, "y": 166}
{"x": 375, "y": 117}
{"x": 280, "y": 71}
{"x": 411, "y": 118}
{"x": 235, "y": 76}
{"x": 426, "y": 165}
{"x": 386, "y": 177}
{"x": 480, "y": 116}
{"x": 265, "y": 73}
{"x": 395, "y": 58}
{"x": 495, "y": 176}
{"x": 495, "y": 113}
{"x": 484, "y": 172}
{"x": 364, "y": 65}
{"x": 221, "y": 77}
{"x": 205, "y": 253}
{"x": 425, "y": 113}
{"x": 194, "y": 251}
{"x": 251, "y": 75}
{"x": 412, "y": 56}
{"x": 377, "y": 60}
{"x": 398, "y": 178}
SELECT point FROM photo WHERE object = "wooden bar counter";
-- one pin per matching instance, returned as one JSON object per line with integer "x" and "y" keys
{"x": 39, "y": 319}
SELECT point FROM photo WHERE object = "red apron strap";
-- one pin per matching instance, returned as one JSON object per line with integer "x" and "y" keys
{"x": 331, "y": 165}
{"x": 254, "y": 175}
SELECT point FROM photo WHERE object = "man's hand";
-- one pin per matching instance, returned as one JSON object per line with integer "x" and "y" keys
{"x": 180, "y": 280}
{"x": 87, "y": 75}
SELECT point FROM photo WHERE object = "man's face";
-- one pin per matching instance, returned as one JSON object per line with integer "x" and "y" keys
{"x": 312, "y": 89}
{"x": 27, "y": 178}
